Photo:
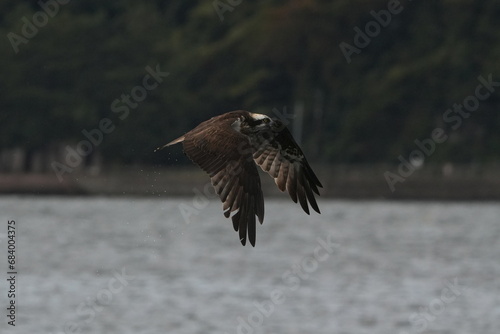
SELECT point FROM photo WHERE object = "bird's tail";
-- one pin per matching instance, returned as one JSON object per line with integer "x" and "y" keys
{"x": 175, "y": 141}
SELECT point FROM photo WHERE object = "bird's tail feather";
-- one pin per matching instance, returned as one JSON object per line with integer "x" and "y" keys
{"x": 175, "y": 141}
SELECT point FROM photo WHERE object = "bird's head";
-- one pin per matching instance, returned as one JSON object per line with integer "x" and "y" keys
{"x": 259, "y": 123}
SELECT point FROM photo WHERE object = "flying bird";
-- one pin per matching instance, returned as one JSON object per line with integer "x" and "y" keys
{"x": 230, "y": 146}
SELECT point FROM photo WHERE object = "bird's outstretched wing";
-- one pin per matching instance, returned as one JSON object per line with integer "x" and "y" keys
{"x": 281, "y": 157}
{"x": 233, "y": 174}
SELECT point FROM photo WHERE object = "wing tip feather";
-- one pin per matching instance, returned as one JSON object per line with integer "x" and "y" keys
{"x": 173, "y": 142}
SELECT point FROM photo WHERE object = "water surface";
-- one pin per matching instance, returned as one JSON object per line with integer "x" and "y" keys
{"x": 143, "y": 265}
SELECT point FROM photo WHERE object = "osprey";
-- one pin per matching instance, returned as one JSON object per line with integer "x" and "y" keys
{"x": 229, "y": 146}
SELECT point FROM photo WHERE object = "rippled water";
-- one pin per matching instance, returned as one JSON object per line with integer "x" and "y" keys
{"x": 135, "y": 265}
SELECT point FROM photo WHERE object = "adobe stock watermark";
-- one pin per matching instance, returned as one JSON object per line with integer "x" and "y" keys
{"x": 372, "y": 29}
{"x": 30, "y": 28}
{"x": 420, "y": 320}
{"x": 454, "y": 117}
{"x": 120, "y": 106}
{"x": 222, "y": 6}
{"x": 291, "y": 280}
{"x": 92, "y": 306}
{"x": 202, "y": 197}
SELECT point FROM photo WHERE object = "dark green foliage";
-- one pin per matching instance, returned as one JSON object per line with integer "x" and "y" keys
{"x": 263, "y": 55}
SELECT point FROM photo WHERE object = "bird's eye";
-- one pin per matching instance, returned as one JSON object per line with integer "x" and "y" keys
{"x": 266, "y": 120}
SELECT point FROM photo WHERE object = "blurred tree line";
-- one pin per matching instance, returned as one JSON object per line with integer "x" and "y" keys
{"x": 62, "y": 75}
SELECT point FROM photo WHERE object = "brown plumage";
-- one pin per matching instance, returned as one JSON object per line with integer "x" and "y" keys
{"x": 228, "y": 147}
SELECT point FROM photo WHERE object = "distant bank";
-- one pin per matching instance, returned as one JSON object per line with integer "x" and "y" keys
{"x": 446, "y": 182}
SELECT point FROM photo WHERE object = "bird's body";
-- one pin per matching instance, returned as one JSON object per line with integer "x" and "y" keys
{"x": 230, "y": 146}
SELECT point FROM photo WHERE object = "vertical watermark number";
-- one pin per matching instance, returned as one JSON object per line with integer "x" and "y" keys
{"x": 11, "y": 272}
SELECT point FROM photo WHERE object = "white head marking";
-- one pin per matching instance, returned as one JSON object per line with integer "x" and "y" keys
{"x": 258, "y": 116}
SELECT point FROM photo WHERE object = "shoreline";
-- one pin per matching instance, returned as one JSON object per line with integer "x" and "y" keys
{"x": 339, "y": 181}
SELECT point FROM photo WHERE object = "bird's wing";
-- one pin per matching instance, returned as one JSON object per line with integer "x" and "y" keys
{"x": 233, "y": 174}
{"x": 282, "y": 158}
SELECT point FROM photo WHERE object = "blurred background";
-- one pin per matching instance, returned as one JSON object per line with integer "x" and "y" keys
{"x": 363, "y": 80}
{"x": 388, "y": 99}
